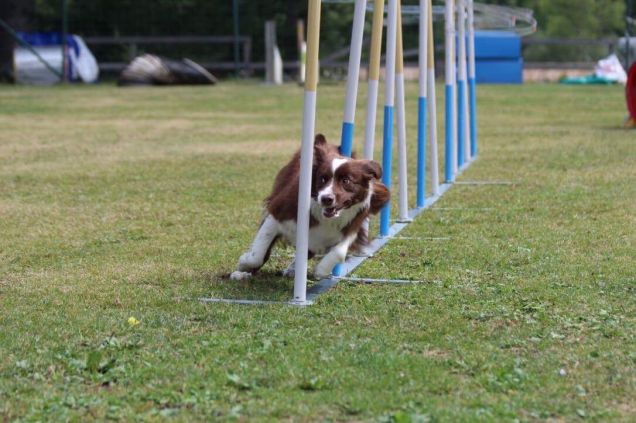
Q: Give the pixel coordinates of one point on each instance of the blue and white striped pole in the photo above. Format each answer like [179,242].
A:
[353,76]
[462,98]
[400,114]
[421,103]
[389,94]
[450,162]
[432,105]
[472,81]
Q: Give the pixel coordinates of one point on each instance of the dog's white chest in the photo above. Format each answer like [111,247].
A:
[324,235]
[321,237]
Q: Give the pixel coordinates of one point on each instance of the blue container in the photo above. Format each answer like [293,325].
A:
[497,45]
[498,57]
[499,71]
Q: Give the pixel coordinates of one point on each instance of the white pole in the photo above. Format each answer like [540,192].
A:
[373,83]
[374,76]
[307,153]
[472,94]
[403,205]
[432,105]
[353,75]
[389,98]
[450,160]
[454,76]
[462,85]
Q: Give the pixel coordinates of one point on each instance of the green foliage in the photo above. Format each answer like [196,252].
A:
[587,19]
[556,18]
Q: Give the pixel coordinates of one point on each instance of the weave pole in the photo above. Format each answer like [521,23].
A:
[307,153]
[455,113]
[374,78]
[389,97]
[353,76]
[472,80]
[403,200]
[449,154]
[462,98]
[421,102]
[432,104]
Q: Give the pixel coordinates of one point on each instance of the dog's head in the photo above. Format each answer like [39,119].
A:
[340,182]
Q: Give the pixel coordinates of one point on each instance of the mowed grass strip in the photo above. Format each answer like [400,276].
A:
[118,203]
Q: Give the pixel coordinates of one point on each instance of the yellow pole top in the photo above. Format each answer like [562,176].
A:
[376,40]
[399,54]
[313,41]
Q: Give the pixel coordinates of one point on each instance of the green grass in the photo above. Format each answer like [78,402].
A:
[134,202]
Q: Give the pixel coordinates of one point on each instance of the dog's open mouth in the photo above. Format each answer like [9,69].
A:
[330,212]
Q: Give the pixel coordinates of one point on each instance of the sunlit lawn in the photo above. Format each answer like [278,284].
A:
[135,202]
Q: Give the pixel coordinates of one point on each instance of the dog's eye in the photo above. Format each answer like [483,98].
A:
[323,179]
[346,180]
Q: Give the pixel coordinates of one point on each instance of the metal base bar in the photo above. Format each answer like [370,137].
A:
[253,302]
[421,238]
[463,208]
[485,183]
[375,280]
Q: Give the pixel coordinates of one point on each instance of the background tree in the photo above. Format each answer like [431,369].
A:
[556,18]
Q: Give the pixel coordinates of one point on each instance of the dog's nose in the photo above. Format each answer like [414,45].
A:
[327,200]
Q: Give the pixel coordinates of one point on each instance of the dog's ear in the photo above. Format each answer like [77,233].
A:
[372,169]
[320,149]
[379,198]
[320,140]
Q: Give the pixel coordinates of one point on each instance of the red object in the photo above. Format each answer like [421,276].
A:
[630,91]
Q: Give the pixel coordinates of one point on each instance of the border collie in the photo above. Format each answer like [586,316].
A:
[344,192]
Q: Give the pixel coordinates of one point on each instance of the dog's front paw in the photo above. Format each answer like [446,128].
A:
[249,261]
[321,271]
[239,276]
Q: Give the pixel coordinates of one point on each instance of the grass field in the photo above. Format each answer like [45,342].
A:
[119,203]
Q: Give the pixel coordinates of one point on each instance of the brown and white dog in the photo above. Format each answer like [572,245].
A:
[345,191]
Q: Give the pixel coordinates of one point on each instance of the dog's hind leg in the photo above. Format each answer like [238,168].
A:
[259,251]
[360,246]
[290,272]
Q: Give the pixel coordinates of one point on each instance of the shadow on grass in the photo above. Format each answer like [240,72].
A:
[266,285]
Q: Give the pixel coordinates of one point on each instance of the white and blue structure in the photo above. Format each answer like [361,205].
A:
[351,93]
[353,76]
[472,80]
[394,99]
[432,105]
[400,112]
[389,98]
[462,95]
[450,161]
[421,101]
